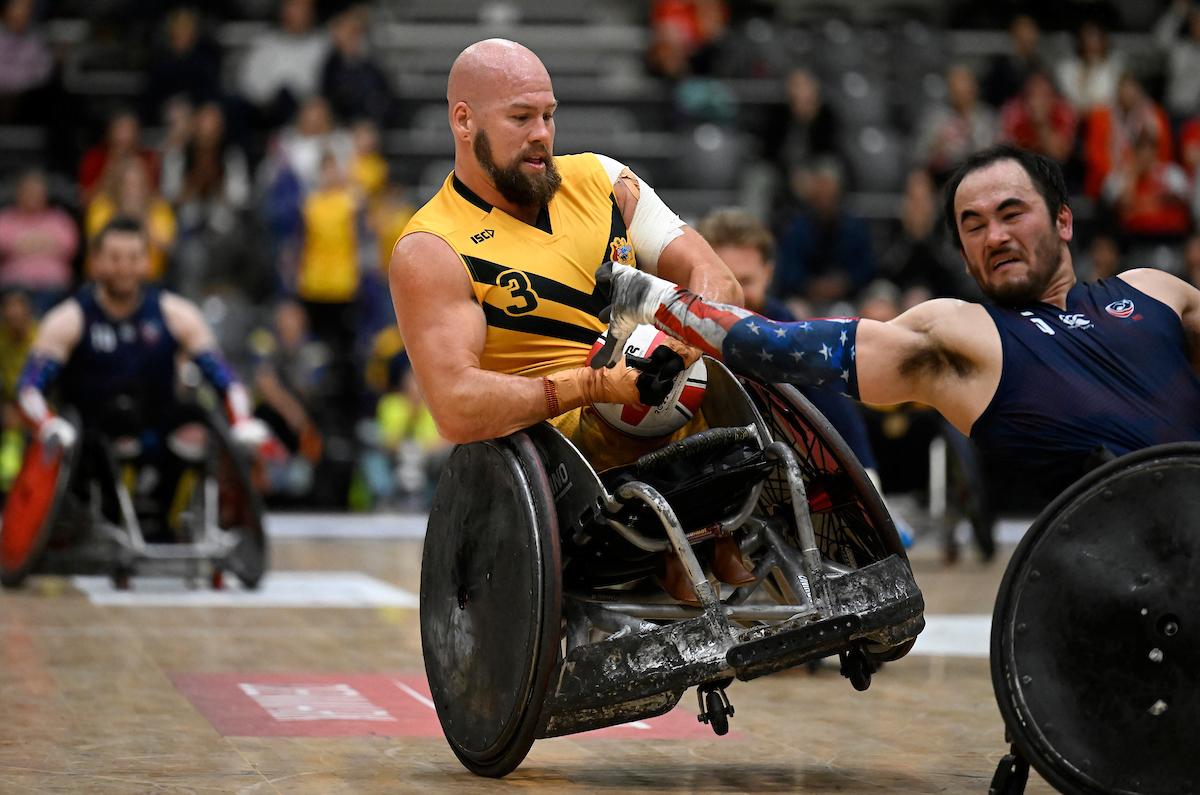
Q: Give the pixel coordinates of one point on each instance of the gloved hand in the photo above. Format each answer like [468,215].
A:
[634,298]
[250,433]
[55,433]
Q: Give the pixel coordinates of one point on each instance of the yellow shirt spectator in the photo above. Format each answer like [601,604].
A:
[160,228]
[329,261]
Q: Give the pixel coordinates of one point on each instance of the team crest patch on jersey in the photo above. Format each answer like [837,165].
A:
[1076,321]
[621,252]
[1121,309]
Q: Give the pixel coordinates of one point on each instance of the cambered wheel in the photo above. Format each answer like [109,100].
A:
[491,599]
[33,507]
[239,505]
[851,522]
[1096,632]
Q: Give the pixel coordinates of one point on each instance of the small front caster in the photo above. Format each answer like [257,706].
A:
[715,708]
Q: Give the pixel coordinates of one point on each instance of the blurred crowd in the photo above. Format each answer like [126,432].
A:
[269,199]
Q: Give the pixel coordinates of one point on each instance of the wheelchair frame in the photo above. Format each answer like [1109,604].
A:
[656,648]
[121,550]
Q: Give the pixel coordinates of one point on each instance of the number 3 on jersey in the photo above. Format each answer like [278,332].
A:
[525,300]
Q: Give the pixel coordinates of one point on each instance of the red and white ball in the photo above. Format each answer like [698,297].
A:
[676,411]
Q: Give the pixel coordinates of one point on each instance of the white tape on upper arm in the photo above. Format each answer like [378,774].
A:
[654,226]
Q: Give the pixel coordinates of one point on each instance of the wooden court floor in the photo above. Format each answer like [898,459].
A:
[103,698]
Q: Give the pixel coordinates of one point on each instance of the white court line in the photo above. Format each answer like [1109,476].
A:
[278,589]
[347,525]
[414,694]
[955,636]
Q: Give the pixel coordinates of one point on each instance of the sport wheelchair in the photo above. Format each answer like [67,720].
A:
[539,613]
[82,511]
[1095,654]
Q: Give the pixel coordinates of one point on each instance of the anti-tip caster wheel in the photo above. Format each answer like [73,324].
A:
[857,667]
[1012,774]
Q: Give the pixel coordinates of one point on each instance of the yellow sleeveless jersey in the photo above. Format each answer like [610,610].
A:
[537,287]
[536,283]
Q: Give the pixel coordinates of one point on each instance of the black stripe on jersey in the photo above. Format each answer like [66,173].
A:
[468,194]
[543,219]
[485,272]
[542,326]
[616,229]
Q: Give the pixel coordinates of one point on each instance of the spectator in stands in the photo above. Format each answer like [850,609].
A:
[122,143]
[746,246]
[38,243]
[881,301]
[948,134]
[824,251]
[18,326]
[387,216]
[1183,56]
[354,84]
[1102,260]
[1112,131]
[1040,119]
[919,260]
[1089,77]
[188,66]
[1189,146]
[289,369]
[403,451]
[26,65]
[1151,197]
[1191,259]
[208,181]
[303,146]
[368,168]
[127,192]
[684,35]
[283,66]
[328,276]
[809,131]
[1007,73]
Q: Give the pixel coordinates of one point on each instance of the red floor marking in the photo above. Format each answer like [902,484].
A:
[361,705]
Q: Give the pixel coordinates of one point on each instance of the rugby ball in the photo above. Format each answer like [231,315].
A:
[674,412]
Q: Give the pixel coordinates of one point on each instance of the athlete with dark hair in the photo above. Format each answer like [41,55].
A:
[1047,377]
[117,340]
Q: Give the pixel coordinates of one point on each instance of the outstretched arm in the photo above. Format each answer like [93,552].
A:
[944,353]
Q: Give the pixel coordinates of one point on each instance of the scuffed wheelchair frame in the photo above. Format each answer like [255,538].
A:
[643,667]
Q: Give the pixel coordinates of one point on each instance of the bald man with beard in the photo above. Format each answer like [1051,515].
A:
[493,280]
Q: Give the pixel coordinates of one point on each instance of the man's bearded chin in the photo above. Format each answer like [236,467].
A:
[1031,289]
[523,190]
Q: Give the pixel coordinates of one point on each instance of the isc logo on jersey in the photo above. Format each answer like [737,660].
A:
[1121,309]
[674,412]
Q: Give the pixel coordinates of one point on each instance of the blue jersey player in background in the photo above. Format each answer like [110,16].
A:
[1049,377]
[112,350]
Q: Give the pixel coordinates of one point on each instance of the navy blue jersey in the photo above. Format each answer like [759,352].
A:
[132,359]
[1110,372]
